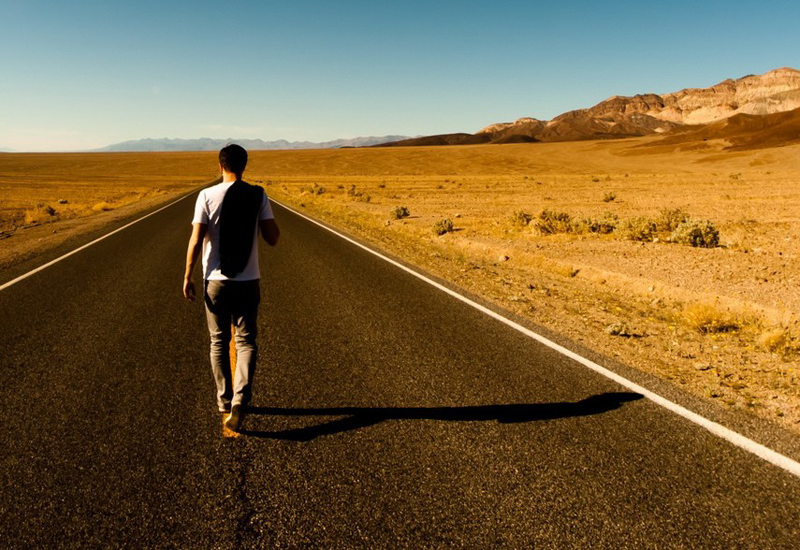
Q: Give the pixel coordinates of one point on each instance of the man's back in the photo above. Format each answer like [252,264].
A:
[208,210]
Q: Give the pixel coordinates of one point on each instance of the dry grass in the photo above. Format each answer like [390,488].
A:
[710,319]
[41,213]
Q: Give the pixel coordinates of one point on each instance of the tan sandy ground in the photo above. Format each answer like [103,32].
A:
[584,286]
[580,285]
[97,187]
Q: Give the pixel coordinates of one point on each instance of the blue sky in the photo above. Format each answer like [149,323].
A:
[79,75]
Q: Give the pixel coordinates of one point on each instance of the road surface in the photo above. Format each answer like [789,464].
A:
[386,414]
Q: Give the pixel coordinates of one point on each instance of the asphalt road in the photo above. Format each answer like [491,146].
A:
[386,414]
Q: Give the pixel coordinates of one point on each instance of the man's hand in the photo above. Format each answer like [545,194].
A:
[188,290]
[192,253]
[270,231]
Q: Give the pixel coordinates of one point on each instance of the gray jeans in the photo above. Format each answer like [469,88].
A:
[233,302]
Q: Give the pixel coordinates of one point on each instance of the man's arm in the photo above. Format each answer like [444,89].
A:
[193,252]
[270,231]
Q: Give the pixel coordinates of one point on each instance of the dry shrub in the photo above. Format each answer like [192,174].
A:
[609,196]
[315,189]
[40,214]
[621,328]
[400,212]
[698,233]
[605,224]
[550,222]
[357,195]
[670,218]
[709,319]
[639,229]
[443,226]
[520,218]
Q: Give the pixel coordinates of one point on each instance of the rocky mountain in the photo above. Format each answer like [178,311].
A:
[773,92]
[209,144]
[623,116]
[739,132]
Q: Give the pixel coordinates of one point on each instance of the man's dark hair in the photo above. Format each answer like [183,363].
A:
[233,158]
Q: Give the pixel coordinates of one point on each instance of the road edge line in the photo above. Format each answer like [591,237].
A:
[773,457]
[87,245]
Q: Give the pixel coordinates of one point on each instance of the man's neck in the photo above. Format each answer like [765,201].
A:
[228,177]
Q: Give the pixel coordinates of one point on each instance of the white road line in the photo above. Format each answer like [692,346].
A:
[87,245]
[736,438]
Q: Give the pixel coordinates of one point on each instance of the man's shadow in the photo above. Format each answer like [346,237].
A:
[362,417]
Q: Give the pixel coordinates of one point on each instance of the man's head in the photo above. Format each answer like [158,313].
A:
[233,159]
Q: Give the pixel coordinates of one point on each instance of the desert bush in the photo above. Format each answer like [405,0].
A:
[520,218]
[700,233]
[549,222]
[357,195]
[605,224]
[315,189]
[670,218]
[400,212]
[709,319]
[639,229]
[443,226]
[41,213]
[609,196]
[622,329]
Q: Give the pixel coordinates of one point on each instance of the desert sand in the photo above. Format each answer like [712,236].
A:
[48,198]
[718,322]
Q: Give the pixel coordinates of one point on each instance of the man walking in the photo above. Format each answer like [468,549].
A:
[227,219]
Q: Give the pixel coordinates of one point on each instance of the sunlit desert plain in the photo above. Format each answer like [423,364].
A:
[579,238]
[47,199]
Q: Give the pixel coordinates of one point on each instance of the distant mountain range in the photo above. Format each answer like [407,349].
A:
[209,144]
[748,98]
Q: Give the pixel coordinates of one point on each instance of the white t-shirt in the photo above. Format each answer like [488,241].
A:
[206,210]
